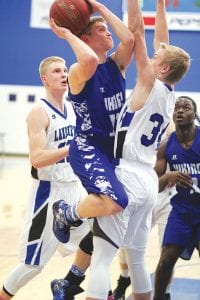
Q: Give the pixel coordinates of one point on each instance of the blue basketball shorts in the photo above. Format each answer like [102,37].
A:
[93,164]
[183,229]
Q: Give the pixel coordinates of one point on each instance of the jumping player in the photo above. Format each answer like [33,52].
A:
[97,91]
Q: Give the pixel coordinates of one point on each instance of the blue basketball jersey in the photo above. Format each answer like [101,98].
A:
[183,225]
[97,106]
[185,160]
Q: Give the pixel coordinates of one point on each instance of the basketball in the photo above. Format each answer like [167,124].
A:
[71,14]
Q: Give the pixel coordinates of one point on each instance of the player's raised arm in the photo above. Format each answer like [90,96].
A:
[87,60]
[145,74]
[124,51]
[161,33]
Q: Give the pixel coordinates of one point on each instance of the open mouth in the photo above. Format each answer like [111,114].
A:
[179,118]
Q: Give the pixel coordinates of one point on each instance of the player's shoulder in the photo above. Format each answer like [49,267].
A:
[38,110]
[163,147]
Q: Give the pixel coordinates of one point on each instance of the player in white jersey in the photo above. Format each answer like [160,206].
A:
[141,123]
[160,215]
[51,127]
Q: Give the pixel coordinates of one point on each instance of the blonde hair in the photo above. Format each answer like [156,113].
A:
[47,61]
[93,20]
[178,61]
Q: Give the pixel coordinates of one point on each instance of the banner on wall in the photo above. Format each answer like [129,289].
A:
[181,14]
[40,13]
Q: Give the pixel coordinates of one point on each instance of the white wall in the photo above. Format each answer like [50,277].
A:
[13,115]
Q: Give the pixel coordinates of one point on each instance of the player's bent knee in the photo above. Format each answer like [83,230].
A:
[86,244]
[111,207]
[20,276]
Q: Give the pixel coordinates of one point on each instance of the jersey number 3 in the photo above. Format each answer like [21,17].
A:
[149,140]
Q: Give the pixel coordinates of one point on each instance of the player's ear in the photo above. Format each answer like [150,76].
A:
[84,38]
[44,79]
[165,68]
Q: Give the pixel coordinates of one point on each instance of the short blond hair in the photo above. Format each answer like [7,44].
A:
[47,61]
[178,60]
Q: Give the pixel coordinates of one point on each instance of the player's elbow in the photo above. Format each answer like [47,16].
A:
[91,61]
[35,161]
[112,209]
[136,26]
[130,39]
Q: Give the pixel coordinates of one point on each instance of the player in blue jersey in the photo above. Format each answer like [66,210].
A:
[51,127]
[182,152]
[97,91]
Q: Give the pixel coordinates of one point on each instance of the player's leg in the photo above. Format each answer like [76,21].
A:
[37,244]
[18,278]
[80,240]
[141,283]
[106,193]
[69,286]
[124,279]
[102,257]
[140,277]
[141,186]
[176,237]
[161,212]
[167,261]
[109,232]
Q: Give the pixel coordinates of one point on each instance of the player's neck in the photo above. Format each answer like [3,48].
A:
[186,136]
[102,56]
[56,100]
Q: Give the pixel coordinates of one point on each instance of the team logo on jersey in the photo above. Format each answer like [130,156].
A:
[102,90]
[53,116]
[174,157]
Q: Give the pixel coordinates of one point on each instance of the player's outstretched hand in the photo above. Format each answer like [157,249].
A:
[95,5]
[61,32]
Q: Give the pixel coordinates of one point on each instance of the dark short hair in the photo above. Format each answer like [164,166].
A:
[191,100]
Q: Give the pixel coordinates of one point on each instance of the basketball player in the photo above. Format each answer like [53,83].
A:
[182,152]
[51,127]
[160,215]
[97,92]
[141,124]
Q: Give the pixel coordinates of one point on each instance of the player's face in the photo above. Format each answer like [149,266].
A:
[101,36]
[183,112]
[56,76]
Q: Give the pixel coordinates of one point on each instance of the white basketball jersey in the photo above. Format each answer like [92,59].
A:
[60,132]
[139,133]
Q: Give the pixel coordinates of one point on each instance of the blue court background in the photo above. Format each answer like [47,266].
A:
[183,289]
